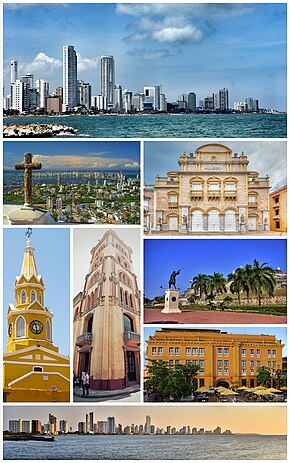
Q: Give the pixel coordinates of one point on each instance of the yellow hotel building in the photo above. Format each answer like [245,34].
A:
[225,359]
[33,369]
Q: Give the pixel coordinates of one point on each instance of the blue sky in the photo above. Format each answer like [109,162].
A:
[207,256]
[280,333]
[267,158]
[53,263]
[71,155]
[183,47]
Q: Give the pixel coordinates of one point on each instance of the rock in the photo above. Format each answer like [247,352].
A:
[36,130]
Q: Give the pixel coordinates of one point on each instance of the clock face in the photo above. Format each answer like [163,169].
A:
[36,327]
[10,330]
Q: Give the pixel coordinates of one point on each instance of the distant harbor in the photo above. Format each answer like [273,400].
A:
[168,125]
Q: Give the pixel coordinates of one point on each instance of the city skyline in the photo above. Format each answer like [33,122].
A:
[71,155]
[165,36]
[250,419]
[195,256]
[49,245]
[267,158]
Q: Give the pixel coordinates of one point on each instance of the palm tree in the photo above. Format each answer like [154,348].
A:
[263,279]
[199,284]
[217,284]
[241,281]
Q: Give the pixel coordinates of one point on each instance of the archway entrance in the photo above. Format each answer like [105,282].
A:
[131,366]
[197,221]
[222,383]
[230,220]
[213,221]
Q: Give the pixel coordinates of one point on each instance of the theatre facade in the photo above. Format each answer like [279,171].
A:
[224,359]
[212,191]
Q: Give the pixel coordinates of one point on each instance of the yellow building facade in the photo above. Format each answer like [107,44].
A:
[278,210]
[225,359]
[33,369]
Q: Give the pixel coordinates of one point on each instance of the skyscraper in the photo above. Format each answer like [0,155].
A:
[13,71]
[111,425]
[42,87]
[70,84]
[108,78]
[148,424]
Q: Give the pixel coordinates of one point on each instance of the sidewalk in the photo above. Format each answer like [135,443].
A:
[208,316]
[99,396]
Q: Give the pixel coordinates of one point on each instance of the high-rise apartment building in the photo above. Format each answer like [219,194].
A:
[84,94]
[42,87]
[191,102]
[118,100]
[13,71]
[70,87]
[107,63]
[111,425]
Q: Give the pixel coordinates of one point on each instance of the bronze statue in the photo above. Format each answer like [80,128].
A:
[172,279]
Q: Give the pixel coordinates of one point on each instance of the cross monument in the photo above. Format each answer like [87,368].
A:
[28,166]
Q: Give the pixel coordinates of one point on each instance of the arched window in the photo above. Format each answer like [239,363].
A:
[128,323]
[40,298]
[23,297]
[48,330]
[32,296]
[126,298]
[20,327]
[121,294]
[131,301]
[90,325]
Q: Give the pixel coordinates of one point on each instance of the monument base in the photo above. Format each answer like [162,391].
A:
[171,301]
[30,216]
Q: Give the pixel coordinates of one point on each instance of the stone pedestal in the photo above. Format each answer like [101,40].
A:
[30,216]
[171,301]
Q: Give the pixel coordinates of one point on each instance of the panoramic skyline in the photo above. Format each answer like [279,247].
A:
[52,259]
[72,155]
[195,256]
[250,419]
[150,42]
[265,157]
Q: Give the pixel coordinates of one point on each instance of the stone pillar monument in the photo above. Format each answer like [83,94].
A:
[171,301]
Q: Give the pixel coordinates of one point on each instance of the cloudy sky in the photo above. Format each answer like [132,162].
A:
[183,47]
[67,155]
[265,157]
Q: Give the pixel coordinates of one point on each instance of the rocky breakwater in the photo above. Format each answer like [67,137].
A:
[37,130]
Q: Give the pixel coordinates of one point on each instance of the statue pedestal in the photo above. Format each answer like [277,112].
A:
[182,228]
[171,301]
[30,216]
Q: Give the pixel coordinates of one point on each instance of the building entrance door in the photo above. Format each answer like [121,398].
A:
[197,221]
[252,223]
[230,221]
[84,363]
[222,383]
[131,366]
[172,223]
[214,221]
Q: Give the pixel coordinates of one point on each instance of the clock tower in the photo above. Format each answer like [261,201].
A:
[33,367]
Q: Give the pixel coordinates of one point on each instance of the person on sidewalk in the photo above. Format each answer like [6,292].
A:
[86,382]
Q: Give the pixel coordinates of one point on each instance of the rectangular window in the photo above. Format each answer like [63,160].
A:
[251,363]
[226,351]
[195,362]
[160,350]
[201,382]
[187,362]
[171,362]
[244,372]
[258,364]
[194,351]
[258,352]
[269,364]
[201,363]
[176,362]
[226,363]
[274,364]
[251,352]
[230,186]
[274,353]
[220,363]
[196,186]
[269,353]
[154,350]
[173,198]
[226,372]
[244,382]
[220,371]
[188,351]
[244,352]
[252,198]
[201,352]
[176,350]
[220,352]
[244,363]
[201,371]
[252,372]
[171,350]
[213,186]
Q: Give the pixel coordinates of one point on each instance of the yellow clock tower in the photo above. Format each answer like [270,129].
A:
[33,370]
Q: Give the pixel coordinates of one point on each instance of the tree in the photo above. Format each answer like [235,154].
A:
[217,284]
[263,376]
[241,281]
[174,381]
[200,284]
[263,279]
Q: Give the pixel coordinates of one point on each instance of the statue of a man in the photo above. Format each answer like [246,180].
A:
[172,279]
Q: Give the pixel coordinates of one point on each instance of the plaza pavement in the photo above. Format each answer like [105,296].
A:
[129,394]
[251,234]
[212,317]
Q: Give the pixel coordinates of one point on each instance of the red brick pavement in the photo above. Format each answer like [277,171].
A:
[208,317]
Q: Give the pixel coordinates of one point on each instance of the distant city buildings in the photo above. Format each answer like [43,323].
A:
[108,426]
[76,95]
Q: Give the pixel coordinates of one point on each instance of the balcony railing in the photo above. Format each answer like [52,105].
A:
[173,205]
[196,194]
[131,336]
[85,337]
[253,204]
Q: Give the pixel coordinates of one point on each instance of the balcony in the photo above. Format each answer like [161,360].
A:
[131,339]
[172,205]
[276,206]
[196,195]
[85,337]
[214,195]
[230,194]
[253,204]
[276,217]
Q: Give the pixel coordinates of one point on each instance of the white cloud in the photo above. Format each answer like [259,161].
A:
[149,54]
[42,63]
[179,34]
[86,64]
